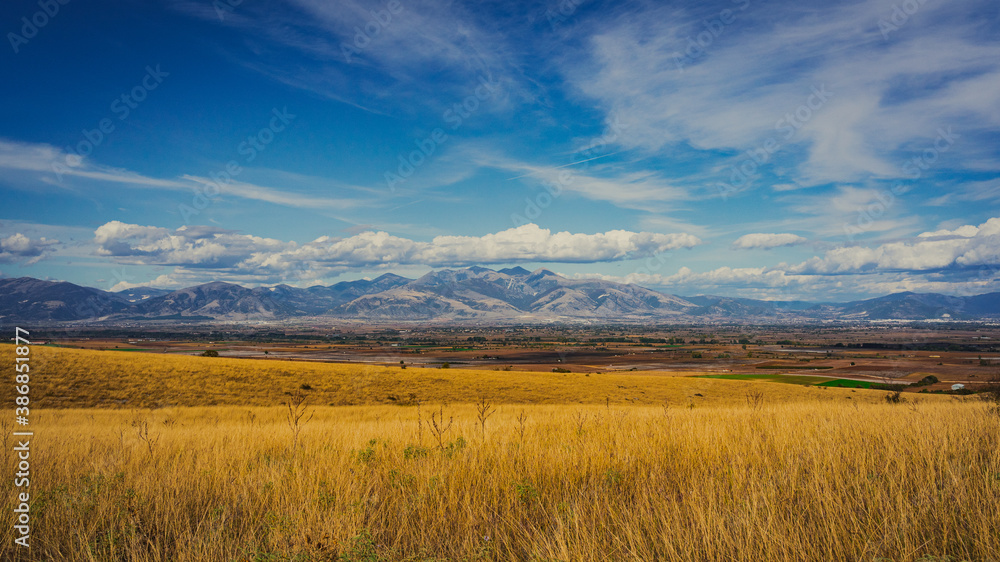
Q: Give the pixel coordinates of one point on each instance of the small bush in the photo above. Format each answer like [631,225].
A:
[526,492]
[361,549]
[454,447]
[415,452]
[612,477]
[364,456]
[991,391]
[210,353]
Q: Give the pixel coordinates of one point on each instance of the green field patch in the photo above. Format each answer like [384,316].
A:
[131,349]
[804,380]
[795,367]
[846,383]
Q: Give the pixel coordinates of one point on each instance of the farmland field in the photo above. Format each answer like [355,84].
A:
[160,457]
[805,380]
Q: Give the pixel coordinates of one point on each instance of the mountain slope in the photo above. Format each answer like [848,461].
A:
[218,300]
[908,306]
[515,293]
[471,294]
[31,299]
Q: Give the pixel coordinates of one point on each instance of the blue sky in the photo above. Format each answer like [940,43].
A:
[779,150]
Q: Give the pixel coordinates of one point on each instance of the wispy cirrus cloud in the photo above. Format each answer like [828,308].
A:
[374,58]
[888,96]
[47,164]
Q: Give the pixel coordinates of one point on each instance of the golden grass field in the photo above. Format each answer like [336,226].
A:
[568,468]
[114,379]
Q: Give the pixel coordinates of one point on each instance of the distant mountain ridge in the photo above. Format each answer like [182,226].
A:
[474,294]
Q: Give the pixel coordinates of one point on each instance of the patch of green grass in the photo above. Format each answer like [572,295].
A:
[846,383]
[130,349]
[804,380]
[794,367]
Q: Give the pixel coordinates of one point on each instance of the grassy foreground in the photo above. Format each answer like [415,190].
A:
[607,467]
[832,481]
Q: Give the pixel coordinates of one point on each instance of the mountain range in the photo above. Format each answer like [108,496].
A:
[471,295]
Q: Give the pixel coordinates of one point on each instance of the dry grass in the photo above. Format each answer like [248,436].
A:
[783,482]
[67,378]
[803,475]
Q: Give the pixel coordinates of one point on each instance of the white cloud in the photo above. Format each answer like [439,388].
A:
[191,246]
[338,59]
[764,241]
[640,190]
[160,282]
[966,246]
[51,165]
[888,97]
[206,247]
[964,260]
[852,211]
[18,248]
[743,277]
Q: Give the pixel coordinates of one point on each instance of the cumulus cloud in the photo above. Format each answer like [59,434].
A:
[18,248]
[764,241]
[741,277]
[963,260]
[966,246]
[191,246]
[160,282]
[207,247]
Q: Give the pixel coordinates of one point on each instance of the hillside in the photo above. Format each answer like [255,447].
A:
[71,378]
